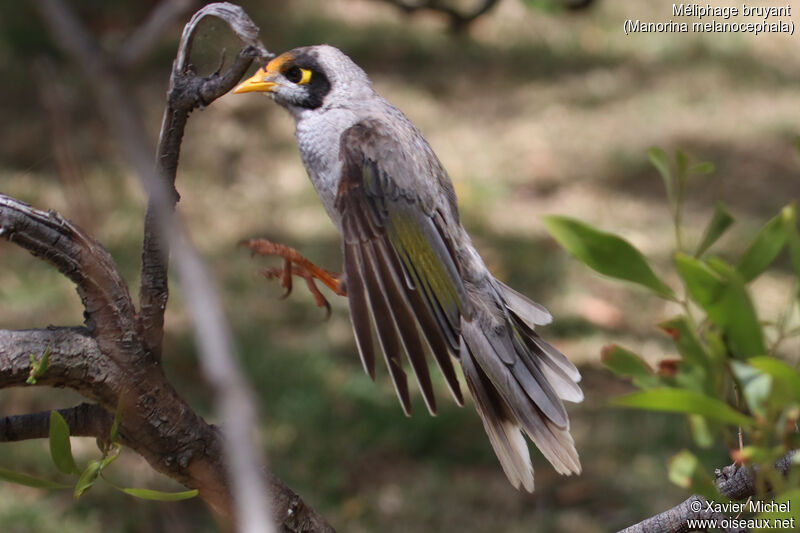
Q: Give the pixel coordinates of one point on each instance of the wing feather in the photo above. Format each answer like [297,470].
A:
[387,334]
[406,274]
[359,310]
[404,322]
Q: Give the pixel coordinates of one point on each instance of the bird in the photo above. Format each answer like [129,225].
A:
[411,274]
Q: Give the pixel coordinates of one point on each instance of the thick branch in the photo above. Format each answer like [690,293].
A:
[106,300]
[733,482]
[84,420]
[75,361]
[676,519]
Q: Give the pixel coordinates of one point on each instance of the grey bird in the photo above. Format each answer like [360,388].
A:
[410,270]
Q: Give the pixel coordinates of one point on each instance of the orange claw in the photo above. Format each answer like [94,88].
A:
[294,264]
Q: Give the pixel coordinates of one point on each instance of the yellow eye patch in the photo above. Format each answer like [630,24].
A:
[306,76]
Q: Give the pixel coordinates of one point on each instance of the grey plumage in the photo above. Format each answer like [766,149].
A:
[411,272]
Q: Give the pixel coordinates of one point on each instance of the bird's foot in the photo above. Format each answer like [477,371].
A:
[295,264]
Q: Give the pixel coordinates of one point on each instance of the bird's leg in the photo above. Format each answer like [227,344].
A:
[295,264]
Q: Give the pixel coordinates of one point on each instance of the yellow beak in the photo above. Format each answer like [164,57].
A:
[256,83]
[263,80]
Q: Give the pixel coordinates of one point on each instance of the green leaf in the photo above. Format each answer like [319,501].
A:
[60,448]
[683,401]
[29,481]
[625,363]
[660,160]
[686,340]
[703,284]
[605,252]
[681,469]
[682,162]
[706,167]
[716,347]
[721,220]
[700,372]
[110,456]
[767,244]
[780,371]
[720,291]
[686,471]
[161,496]
[701,433]
[38,368]
[88,477]
[756,387]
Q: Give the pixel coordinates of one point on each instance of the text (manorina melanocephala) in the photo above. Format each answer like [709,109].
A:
[410,269]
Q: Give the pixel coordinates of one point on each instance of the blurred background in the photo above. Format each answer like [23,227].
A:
[533,110]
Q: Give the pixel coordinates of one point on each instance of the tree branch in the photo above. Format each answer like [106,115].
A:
[84,420]
[75,361]
[733,482]
[162,427]
[109,310]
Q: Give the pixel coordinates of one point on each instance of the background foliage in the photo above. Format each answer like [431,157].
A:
[730,362]
[532,113]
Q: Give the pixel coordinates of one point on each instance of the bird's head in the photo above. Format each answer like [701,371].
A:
[309,78]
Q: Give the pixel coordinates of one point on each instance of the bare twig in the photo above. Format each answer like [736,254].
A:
[733,482]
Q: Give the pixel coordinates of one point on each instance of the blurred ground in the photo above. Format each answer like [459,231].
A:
[534,113]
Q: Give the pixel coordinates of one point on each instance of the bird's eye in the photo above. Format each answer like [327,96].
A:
[300,76]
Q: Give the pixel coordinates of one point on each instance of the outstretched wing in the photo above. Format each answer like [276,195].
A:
[400,264]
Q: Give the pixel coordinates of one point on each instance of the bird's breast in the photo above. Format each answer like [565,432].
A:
[318,140]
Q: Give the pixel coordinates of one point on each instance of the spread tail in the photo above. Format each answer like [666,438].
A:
[518,382]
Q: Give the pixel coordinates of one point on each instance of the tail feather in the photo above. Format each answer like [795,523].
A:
[499,423]
[532,313]
[562,377]
[556,358]
[518,382]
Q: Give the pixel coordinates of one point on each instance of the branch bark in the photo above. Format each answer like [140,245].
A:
[156,422]
[108,307]
[84,420]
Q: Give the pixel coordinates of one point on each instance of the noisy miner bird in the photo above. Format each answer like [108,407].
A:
[410,269]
